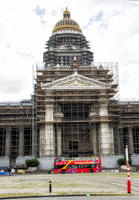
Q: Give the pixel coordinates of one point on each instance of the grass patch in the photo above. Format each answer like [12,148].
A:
[18,186]
[57,184]
[120,174]
[19,194]
[66,185]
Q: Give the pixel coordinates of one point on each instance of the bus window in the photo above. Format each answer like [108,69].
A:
[76,166]
[57,159]
[81,166]
[93,165]
[88,166]
[59,166]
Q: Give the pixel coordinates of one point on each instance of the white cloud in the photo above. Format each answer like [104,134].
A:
[110,26]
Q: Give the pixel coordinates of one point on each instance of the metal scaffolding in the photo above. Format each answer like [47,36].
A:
[76,113]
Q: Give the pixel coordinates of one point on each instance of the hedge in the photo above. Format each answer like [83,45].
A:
[122,161]
[32,162]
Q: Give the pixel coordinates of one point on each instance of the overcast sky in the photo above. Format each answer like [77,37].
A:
[111,27]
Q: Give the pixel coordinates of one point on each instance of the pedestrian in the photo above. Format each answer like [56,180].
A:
[12,171]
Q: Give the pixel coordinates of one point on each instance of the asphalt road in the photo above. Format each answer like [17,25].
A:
[85,198]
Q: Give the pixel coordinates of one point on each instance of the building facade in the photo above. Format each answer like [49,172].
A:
[74,111]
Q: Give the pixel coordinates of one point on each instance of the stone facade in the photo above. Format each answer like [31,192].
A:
[74,111]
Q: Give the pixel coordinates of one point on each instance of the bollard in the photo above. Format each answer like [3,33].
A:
[128,180]
[50,186]
[129,186]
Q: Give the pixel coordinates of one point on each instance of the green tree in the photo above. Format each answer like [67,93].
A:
[32,162]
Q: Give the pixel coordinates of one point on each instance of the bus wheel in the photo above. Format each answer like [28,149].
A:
[63,171]
[91,171]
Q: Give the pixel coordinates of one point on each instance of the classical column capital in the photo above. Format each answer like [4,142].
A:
[49,106]
[8,129]
[58,116]
[21,128]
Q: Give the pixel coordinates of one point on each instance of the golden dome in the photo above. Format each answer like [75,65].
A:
[66,23]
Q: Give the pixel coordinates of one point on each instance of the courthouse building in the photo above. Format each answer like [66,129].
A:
[74,111]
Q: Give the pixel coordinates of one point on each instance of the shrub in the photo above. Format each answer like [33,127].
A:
[32,162]
[122,161]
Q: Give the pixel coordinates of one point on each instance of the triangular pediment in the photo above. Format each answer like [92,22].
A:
[75,81]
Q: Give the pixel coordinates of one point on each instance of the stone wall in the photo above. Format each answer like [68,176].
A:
[4,162]
[20,160]
[135,159]
[110,161]
[46,163]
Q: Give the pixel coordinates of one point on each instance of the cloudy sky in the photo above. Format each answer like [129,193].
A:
[111,27]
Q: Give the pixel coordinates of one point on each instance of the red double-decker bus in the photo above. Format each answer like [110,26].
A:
[77,166]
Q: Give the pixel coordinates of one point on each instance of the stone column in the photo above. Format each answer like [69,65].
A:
[42,141]
[59,145]
[106,132]
[131,144]
[98,140]
[8,141]
[58,116]
[111,139]
[49,131]
[104,139]
[92,116]
[118,141]
[94,142]
[21,141]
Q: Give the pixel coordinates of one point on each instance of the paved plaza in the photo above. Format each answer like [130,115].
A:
[63,184]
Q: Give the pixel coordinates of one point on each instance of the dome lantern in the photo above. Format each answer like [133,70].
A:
[66,13]
[66,24]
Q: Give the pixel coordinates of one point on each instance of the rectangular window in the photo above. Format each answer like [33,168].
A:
[73,145]
[2,141]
